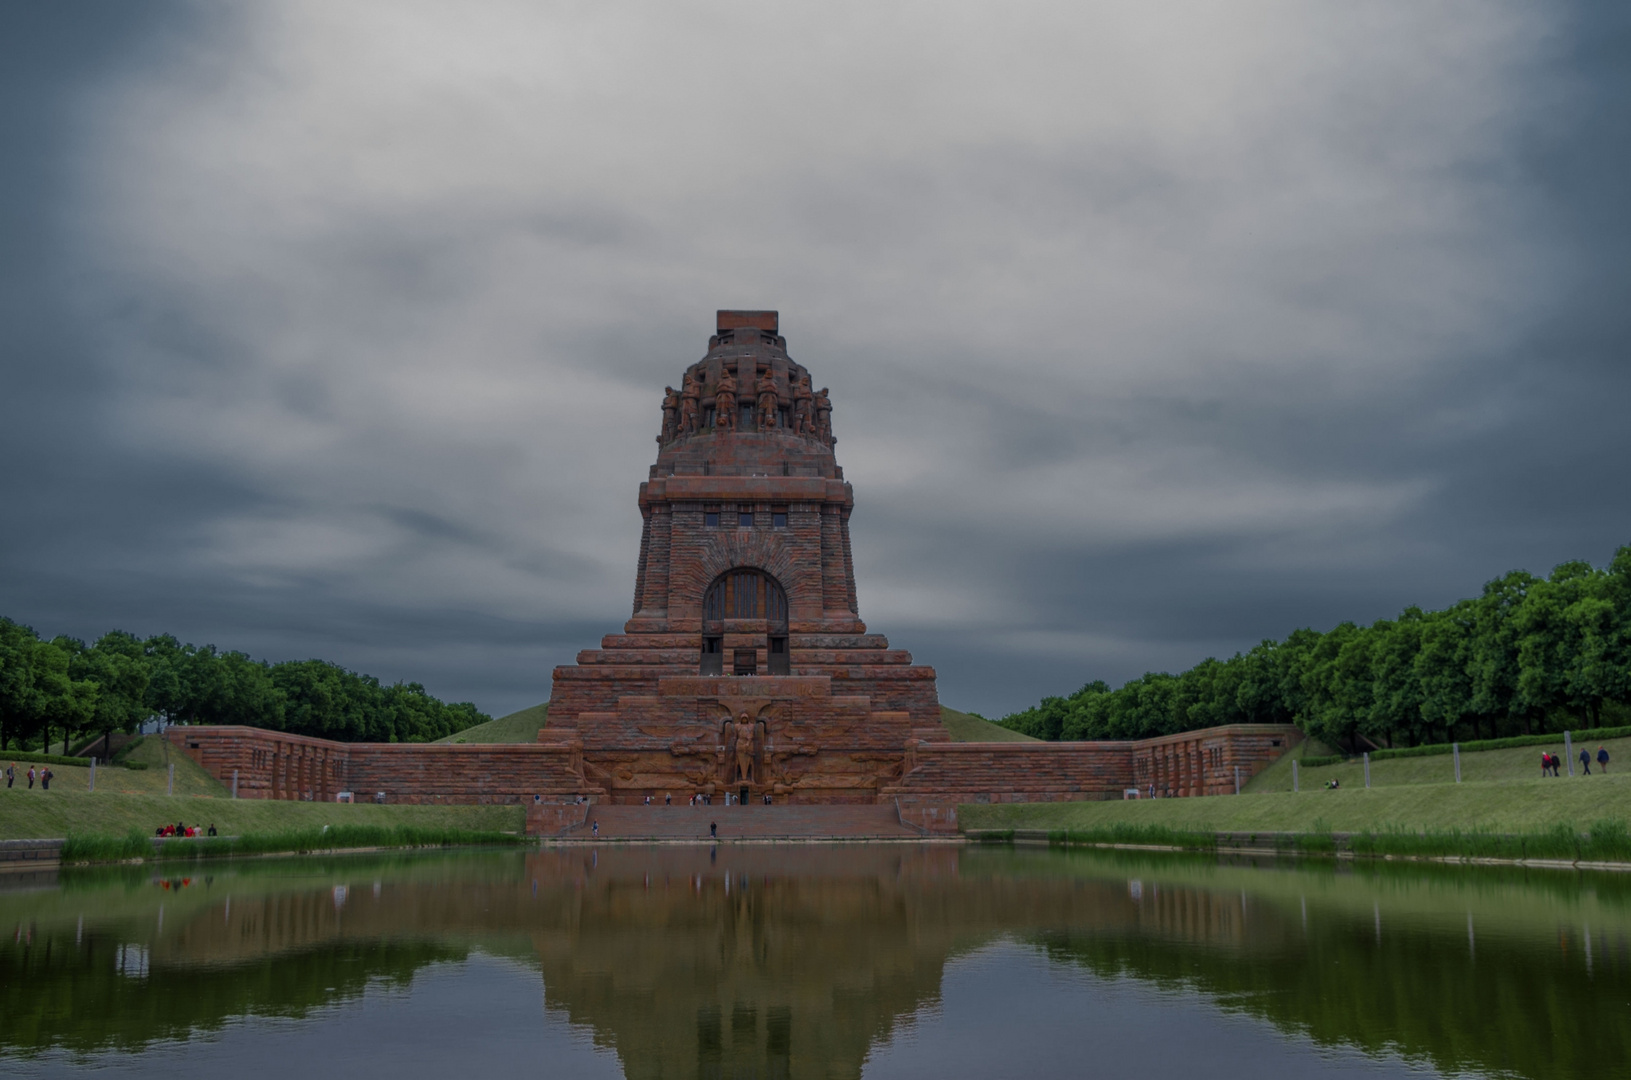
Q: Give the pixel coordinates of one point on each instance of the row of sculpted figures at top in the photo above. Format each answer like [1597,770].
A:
[811,413]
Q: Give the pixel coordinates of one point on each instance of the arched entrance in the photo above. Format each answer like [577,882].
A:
[754,605]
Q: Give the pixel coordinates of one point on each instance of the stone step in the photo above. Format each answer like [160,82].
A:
[745,822]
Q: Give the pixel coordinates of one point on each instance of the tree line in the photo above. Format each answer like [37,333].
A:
[1528,655]
[62,689]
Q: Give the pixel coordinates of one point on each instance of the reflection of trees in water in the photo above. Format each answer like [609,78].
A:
[797,961]
[54,994]
[1498,1004]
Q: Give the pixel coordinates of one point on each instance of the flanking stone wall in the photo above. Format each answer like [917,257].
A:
[275,765]
[940,776]
[935,779]
[1204,762]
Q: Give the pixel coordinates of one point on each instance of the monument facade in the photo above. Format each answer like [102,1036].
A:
[744,667]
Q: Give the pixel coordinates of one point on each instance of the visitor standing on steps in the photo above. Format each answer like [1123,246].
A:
[713,829]
[595,828]
[1602,758]
[1585,760]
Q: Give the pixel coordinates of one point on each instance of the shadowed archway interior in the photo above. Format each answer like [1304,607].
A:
[744,594]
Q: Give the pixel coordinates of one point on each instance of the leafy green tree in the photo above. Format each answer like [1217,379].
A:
[117,665]
[1493,664]
[18,692]
[1396,693]
[1443,670]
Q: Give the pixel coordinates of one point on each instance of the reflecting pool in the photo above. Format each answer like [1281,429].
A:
[815,961]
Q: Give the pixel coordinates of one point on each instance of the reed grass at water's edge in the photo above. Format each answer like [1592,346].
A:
[1604,841]
[91,847]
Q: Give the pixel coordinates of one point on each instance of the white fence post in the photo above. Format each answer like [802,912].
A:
[171,789]
[1367,770]
[1237,779]
[1455,748]
[93,775]
[1294,783]
[1568,752]
[234,783]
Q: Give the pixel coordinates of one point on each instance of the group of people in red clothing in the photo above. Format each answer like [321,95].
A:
[182,829]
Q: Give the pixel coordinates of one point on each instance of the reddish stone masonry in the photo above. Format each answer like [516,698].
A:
[744,667]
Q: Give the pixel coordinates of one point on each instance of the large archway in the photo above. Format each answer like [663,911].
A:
[752,597]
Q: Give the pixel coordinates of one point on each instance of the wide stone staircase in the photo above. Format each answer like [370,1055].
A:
[745,822]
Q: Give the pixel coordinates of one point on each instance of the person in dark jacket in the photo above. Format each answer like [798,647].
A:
[1585,760]
[1602,758]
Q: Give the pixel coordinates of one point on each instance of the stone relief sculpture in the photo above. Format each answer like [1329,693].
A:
[671,415]
[743,732]
[769,400]
[690,395]
[801,406]
[823,416]
[725,402]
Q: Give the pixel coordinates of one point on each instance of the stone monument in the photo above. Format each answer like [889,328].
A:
[745,667]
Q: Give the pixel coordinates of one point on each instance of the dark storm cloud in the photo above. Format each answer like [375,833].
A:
[339,330]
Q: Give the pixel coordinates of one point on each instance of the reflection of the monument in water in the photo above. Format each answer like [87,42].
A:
[797,960]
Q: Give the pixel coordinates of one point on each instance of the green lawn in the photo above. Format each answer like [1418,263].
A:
[1518,763]
[58,812]
[963,727]
[517,727]
[154,752]
[1497,806]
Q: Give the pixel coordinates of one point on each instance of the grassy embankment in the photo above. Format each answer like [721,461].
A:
[963,727]
[127,800]
[517,727]
[1502,809]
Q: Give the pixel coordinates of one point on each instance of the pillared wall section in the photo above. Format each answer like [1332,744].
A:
[273,765]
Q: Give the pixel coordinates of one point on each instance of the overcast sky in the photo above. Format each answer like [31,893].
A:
[1153,330]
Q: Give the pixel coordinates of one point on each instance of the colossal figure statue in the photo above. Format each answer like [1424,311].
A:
[671,415]
[690,396]
[801,406]
[769,400]
[823,417]
[725,402]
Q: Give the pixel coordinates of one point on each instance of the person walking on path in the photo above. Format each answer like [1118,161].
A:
[1545,763]
[45,778]
[595,828]
[31,778]
[1602,758]
[11,774]
[1585,760]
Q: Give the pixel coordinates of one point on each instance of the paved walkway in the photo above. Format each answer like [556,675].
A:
[747,822]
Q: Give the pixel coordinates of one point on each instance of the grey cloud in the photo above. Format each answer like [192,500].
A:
[340,331]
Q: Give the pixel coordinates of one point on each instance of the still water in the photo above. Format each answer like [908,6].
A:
[814,961]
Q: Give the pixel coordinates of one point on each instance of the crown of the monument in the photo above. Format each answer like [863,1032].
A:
[747,385]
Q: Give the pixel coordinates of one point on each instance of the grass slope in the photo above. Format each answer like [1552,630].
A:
[191,779]
[35,814]
[1517,763]
[1509,806]
[517,727]
[1277,777]
[963,727]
